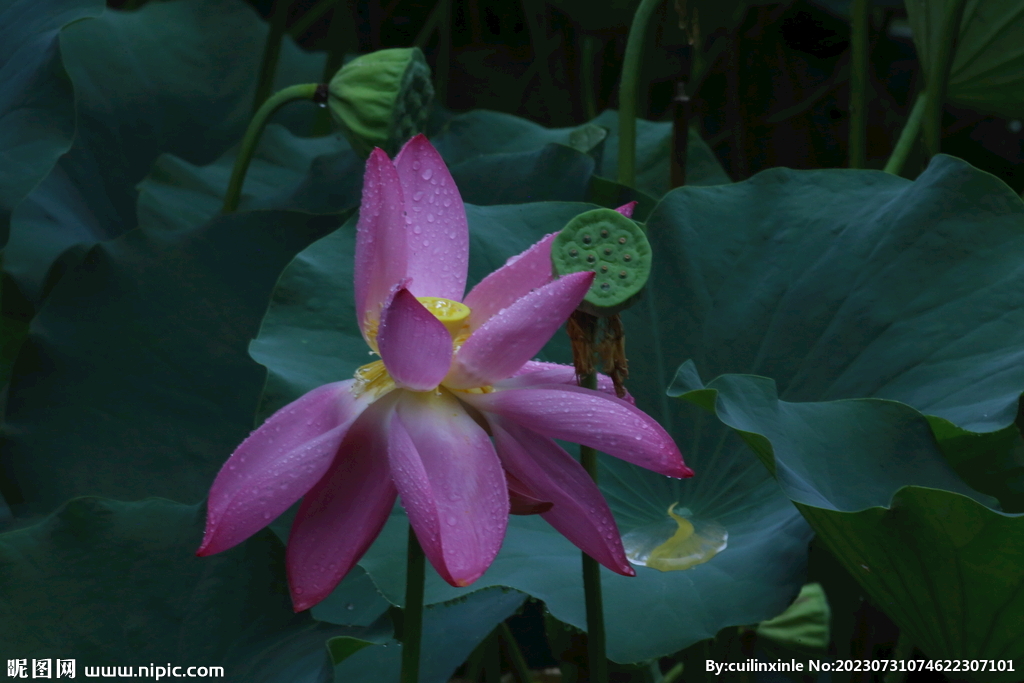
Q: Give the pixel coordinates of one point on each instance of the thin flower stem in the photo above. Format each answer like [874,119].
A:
[271,52]
[592,575]
[859,65]
[629,91]
[589,48]
[305,91]
[680,136]
[444,52]
[412,613]
[303,23]
[492,658]
[520,670]
[904,649]
[429,26]
[938,74]
[673,674]
[907,137]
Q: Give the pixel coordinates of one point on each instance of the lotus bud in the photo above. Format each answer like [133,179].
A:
[381,99]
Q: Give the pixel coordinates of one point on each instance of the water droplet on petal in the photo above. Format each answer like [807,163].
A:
[427,172]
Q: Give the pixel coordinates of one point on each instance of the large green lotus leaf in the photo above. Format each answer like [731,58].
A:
[111,583]
[930,552]
[135,379]
[838,284]
[451,631]
[317,175]
[552,173]
[323,175]
[173,77]
[309,338]
[988,68]
[37,104]
[482,132]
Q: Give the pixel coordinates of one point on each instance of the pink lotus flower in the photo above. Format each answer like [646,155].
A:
[454,416]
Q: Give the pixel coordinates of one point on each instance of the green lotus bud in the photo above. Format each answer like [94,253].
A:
[381,99]
[615,248]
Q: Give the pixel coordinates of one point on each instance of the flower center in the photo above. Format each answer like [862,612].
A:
[453,314]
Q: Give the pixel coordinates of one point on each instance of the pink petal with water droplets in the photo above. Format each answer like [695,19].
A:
[535,373]
[579,512]
[342,515]
[278,464]
[590,418]
[381,242]
[513,336]
[451,483]
[519,276]
[438,233]
[627,209]
[415,346]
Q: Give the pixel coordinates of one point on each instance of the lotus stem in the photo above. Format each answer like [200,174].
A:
[859,84]
[589,48]
[680,136]
[902,650]
[492,658]
[271,52]
[444,52]
[907,136]
[429,26]
[303,23]
[938,76]
[412,613]
[673,674]
[520,670]
[592,574]
[307,91]
[629,91]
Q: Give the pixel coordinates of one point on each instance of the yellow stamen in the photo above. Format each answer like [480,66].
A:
[373,377]
[454,315]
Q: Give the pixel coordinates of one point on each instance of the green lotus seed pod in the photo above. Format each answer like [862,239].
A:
[381,99]
[614,247]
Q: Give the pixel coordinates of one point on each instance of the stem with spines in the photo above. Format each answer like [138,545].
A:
[629,91]
[306,91]
[938,74]
[592,576]
[412,614]
[859,65]
[907,137]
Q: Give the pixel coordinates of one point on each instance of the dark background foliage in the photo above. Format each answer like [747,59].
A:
[775,92]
